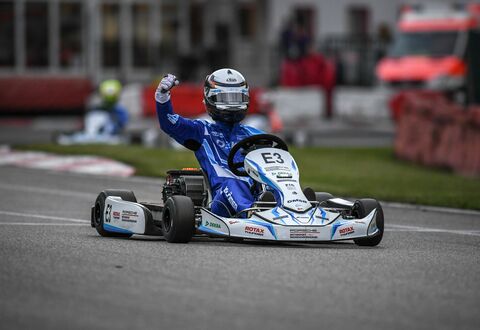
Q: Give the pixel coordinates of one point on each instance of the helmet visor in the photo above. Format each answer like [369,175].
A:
[230,98]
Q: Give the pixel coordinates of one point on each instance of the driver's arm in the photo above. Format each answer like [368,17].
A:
[188,133]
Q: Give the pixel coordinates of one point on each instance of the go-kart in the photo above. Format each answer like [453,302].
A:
[98,129]
[296,216]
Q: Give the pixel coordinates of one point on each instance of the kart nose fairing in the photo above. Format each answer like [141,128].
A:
[282,225]
[277,169]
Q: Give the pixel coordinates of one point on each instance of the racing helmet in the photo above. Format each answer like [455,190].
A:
[226,96]
[110,91]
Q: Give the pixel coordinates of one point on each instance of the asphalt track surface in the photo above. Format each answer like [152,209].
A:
[57,273]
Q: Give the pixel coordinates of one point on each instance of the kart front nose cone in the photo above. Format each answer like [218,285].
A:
[372,227]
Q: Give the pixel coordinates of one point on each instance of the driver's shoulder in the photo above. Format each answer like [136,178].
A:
[250,130]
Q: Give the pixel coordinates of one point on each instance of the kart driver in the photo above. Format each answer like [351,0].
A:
[226,99]
[110,91]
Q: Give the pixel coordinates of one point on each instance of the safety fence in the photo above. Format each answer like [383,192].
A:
[435,132]
[43,95]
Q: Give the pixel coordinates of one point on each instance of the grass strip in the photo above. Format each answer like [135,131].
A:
[357,172]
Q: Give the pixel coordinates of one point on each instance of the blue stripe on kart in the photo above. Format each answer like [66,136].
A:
[113,229]
[211,231]
[335,226]
[267,180]
[293,217]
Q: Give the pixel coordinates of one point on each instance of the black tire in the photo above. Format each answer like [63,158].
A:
[322,197]
[178,219]
[361,209]
[98,214]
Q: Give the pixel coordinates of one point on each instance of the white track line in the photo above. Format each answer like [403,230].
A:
[39,216]
[431,230]
[58,192]
[428,208]
[39,224]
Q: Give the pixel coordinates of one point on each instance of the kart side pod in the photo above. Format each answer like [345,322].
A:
[123,217]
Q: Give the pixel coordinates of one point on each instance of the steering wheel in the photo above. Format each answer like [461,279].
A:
[251,143]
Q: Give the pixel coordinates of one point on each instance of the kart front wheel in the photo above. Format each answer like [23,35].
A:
[323,197]
[361,209]
[98,210]
[178,219]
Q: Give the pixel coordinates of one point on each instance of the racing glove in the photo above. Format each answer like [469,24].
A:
[162,95]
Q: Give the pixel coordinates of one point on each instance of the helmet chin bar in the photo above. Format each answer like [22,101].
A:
[229,114]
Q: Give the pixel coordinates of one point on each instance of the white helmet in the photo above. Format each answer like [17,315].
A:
[226,95]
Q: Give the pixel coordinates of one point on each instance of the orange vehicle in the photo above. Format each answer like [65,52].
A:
[437,47]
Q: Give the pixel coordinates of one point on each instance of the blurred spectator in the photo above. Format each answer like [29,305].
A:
[384,38]
[303,67]
[294,40]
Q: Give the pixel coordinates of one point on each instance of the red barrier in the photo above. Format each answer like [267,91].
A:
[38,94]
[397,102]
[435,132]
[312,70]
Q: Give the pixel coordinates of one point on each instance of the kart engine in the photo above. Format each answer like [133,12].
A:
[187,183]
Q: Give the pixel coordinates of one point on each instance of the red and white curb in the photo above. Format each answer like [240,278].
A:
[76,164]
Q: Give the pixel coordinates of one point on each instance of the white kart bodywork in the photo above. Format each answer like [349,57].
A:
[295,219]
[124,216]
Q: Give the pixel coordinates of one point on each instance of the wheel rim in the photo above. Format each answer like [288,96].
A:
[98,214]
[167,221]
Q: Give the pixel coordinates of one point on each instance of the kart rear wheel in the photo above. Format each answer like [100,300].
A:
[178,219]
[361,209]
[98,213]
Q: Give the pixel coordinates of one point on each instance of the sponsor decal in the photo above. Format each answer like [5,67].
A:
[304,233]
[220,143]
[276,168]
[284,175]
[254,231]
[230,199]
[116,215]
[232,222]
[290,186]
[212,224]
[129,216]
[231,80]
[346,231]
[297,200]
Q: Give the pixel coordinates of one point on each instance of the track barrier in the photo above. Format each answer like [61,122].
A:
[41,95]
[433,131]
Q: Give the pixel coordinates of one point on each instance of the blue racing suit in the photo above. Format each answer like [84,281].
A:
[211,143]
